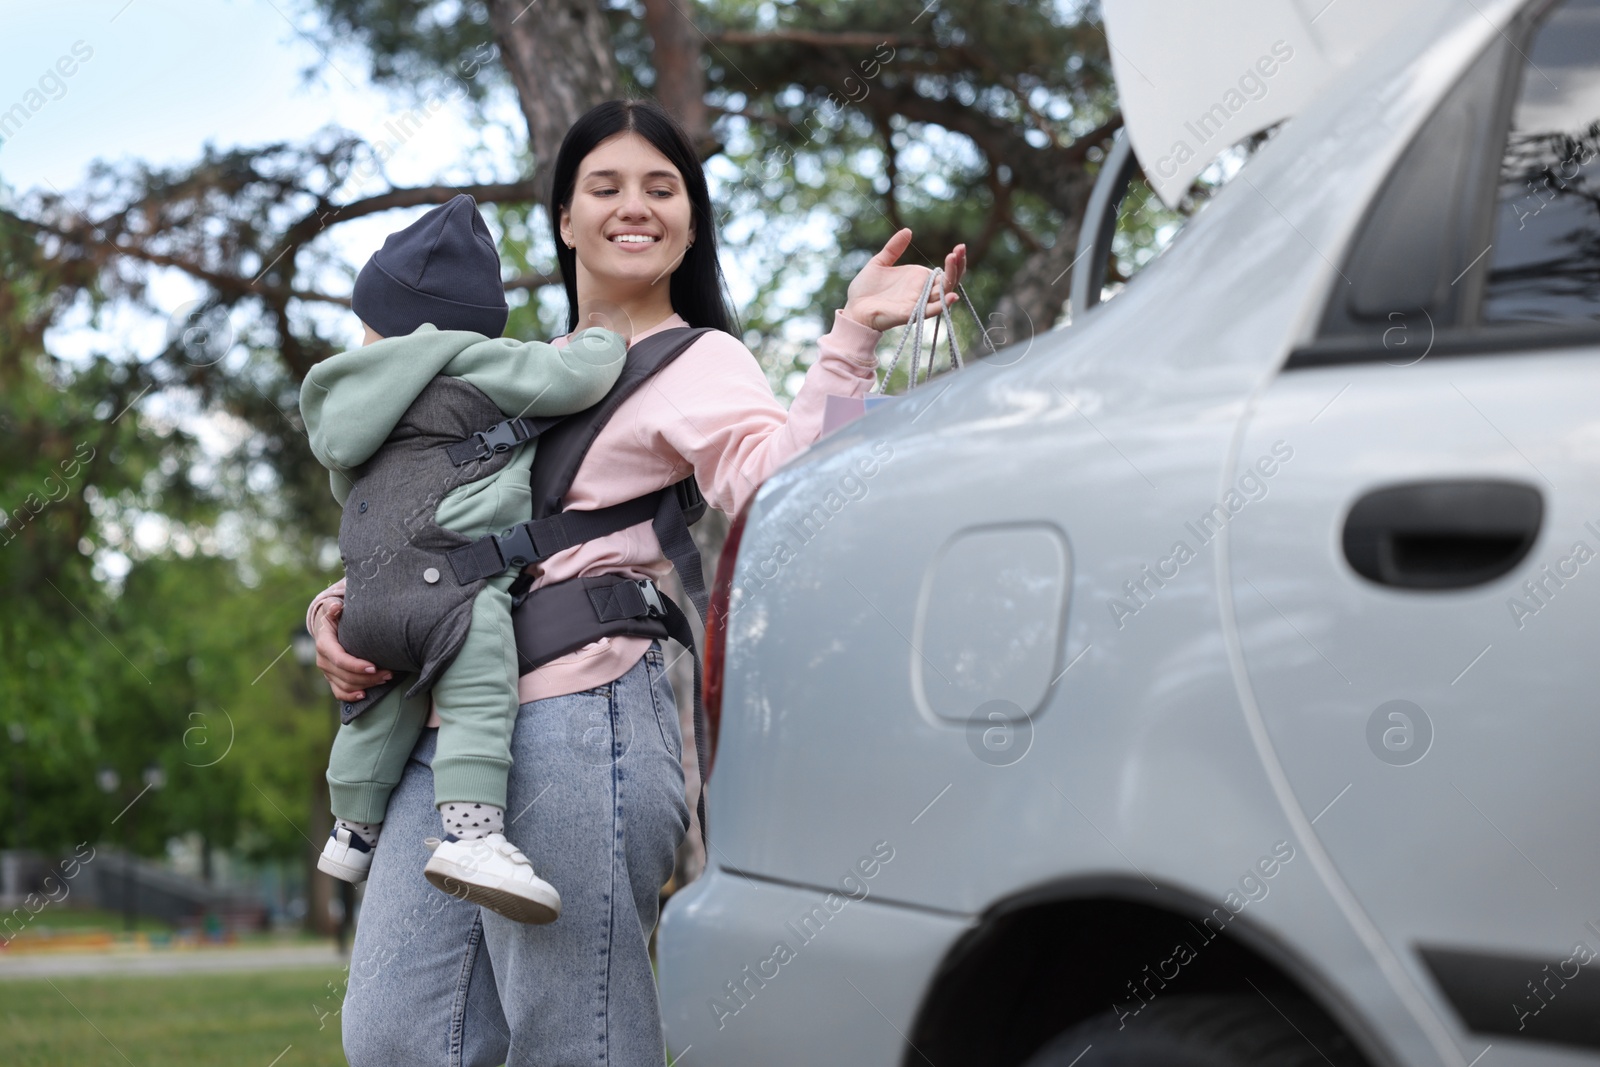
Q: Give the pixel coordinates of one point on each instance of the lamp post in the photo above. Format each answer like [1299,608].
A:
[305,652]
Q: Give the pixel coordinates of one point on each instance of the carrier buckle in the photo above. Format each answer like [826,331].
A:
[516,546]
[654,609]
[497,438]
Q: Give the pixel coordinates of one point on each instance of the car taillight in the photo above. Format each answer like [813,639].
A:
[717,632]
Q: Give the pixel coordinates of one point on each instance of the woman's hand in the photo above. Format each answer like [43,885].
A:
[884,295]
[346,674]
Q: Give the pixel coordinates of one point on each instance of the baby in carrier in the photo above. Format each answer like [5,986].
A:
[388,420]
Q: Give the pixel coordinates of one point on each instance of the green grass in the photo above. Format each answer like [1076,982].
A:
[175,1021]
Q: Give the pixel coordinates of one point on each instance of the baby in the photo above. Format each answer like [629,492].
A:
[382,418]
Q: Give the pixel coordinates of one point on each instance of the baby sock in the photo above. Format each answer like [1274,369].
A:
[467,820]
[367,831]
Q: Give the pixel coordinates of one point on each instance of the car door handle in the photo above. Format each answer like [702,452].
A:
[1442,534]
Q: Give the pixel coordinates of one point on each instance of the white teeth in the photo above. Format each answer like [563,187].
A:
[633,238]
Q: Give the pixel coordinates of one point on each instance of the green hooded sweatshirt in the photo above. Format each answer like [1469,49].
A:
[352,402]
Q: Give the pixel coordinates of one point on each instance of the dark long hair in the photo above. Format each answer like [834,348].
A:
[696,288]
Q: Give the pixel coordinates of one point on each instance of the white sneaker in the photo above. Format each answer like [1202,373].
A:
[345,855]
[492,873]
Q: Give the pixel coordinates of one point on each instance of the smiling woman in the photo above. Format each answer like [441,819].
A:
[599,796]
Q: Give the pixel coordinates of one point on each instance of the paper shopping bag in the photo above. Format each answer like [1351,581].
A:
[841,410]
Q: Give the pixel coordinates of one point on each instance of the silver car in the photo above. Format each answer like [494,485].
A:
[1215,681]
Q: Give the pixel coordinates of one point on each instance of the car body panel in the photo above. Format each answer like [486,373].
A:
[1148,757]
[1497,678]
[825,969]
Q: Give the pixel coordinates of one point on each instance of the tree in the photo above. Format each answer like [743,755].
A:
[826,125]
[840,119]
[149,605]
[1003,109]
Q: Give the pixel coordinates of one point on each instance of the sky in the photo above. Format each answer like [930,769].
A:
[163,77]
[156,80]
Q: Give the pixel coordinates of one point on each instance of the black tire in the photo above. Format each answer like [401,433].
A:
[1204,1031]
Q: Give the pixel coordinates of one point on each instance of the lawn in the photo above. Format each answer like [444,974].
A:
[281,1018]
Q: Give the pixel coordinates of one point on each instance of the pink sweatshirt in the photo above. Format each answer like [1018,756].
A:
[709,412]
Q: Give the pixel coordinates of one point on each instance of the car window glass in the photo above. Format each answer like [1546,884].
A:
[1544,263]
[1426,223]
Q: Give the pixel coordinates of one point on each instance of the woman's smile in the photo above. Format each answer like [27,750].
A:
[634,240]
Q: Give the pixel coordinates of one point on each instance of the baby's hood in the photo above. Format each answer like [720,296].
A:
[352,402]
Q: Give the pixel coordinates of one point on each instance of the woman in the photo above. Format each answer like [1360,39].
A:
[596,796]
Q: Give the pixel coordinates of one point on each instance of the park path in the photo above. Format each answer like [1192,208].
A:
[194,961]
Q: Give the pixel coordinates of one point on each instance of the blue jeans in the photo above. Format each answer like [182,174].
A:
[596,801]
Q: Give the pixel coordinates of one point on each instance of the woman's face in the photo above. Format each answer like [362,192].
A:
[630,219]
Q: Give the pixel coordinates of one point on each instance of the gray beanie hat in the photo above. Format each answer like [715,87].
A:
[442,269]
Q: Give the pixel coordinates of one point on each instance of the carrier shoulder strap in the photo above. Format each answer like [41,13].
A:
[643,360]
[563,444]
[563,447]
[572,613]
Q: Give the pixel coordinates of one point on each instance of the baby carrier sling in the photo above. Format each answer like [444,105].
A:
[397,611]
[563,617]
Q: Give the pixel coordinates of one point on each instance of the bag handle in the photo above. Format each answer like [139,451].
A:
[913,332]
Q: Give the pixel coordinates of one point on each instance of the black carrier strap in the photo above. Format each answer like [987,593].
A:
[562,447]
[564,617]
[539,539]
[615,604]
[563,443]
[498,438]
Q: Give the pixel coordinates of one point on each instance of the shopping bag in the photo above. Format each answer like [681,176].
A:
[840,411]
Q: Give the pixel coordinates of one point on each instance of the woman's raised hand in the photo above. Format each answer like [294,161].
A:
[347,675]
[884,295]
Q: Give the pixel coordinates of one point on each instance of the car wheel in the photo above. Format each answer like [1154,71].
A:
[1203,1031]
